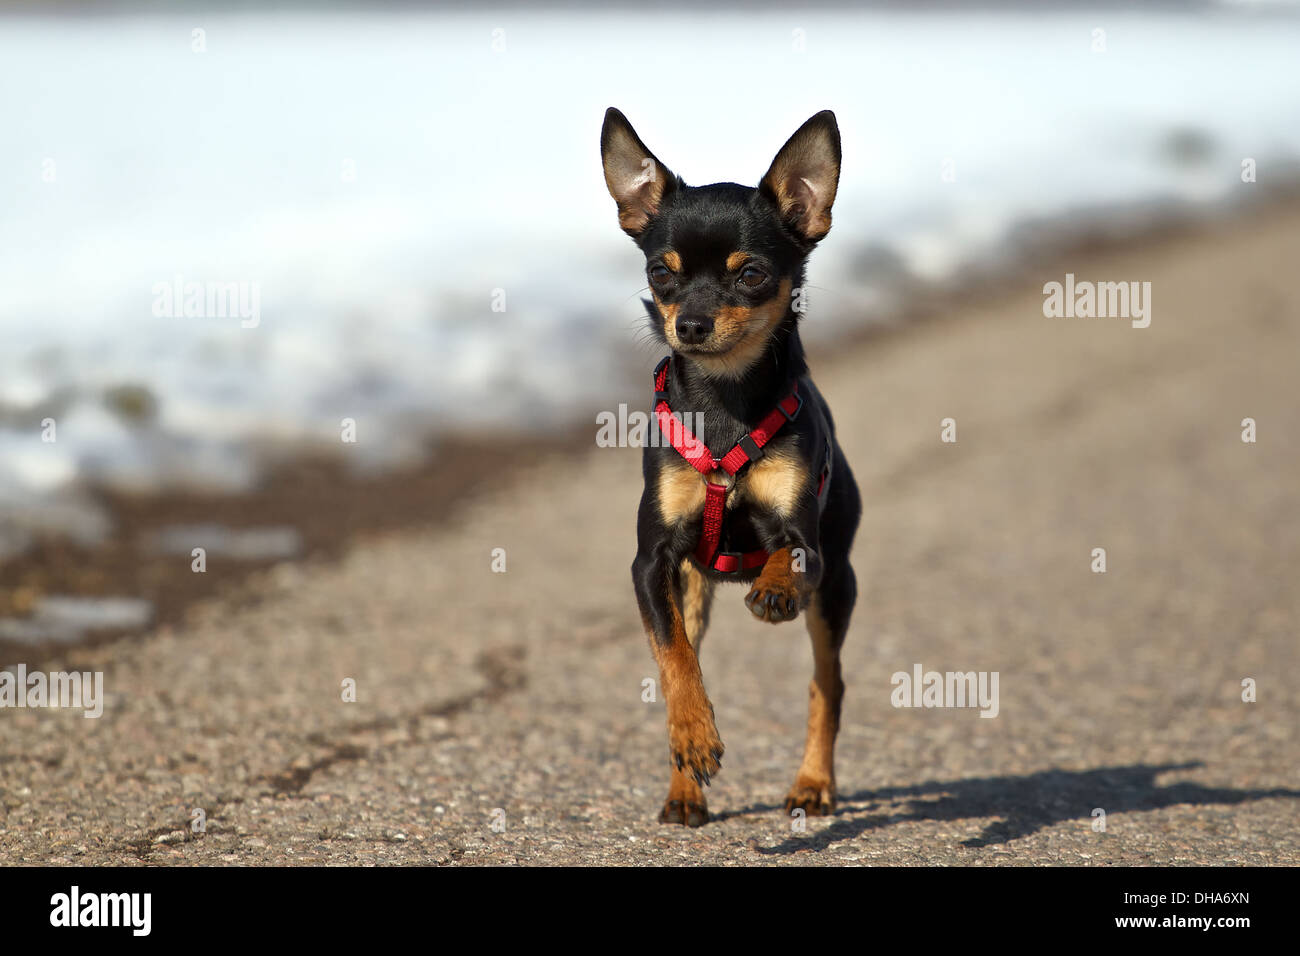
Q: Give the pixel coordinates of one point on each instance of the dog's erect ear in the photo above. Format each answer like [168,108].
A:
[637,181]
[804,176]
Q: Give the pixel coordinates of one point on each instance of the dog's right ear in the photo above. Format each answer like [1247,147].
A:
[637,181]
[804,177]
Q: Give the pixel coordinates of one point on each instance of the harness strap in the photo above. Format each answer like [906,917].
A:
[699,457]
[715,508]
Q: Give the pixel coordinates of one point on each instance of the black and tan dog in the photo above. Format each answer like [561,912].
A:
[763,494]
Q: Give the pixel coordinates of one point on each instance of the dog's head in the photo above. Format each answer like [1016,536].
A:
[724,262]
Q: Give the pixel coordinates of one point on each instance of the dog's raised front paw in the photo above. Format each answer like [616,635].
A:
[778,592]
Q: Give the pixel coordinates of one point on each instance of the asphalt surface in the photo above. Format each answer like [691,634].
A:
[499,717]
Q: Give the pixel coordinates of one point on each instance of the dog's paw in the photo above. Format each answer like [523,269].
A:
[693,743]
[814,799]
[777,594]
[773,604]
[689,813]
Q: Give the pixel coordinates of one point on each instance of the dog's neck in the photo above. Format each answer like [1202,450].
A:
[749,395]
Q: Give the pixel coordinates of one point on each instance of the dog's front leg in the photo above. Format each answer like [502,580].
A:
[792,573]
[694,747]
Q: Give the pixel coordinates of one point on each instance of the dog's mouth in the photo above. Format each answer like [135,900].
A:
[714,345]
[706,347]
[728,357]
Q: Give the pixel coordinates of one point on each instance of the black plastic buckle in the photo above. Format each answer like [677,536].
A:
[791,416]
[750,448]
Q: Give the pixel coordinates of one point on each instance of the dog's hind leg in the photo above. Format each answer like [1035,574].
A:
[828,622]
[828,616]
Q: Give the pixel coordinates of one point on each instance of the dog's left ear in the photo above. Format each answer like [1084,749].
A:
[636,179]
[804,177]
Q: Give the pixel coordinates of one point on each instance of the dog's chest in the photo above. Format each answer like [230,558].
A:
[773,483]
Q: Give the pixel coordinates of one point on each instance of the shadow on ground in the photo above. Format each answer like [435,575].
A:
[1023,804]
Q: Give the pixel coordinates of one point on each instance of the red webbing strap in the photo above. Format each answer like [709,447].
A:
[737,458]
[731,563]
[701,459]
[715,505]
[674,429]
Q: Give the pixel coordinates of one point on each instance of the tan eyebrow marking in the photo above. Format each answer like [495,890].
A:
[673,261]
[736,260]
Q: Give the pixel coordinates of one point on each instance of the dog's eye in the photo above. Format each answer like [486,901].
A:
[752,278]
[660,275]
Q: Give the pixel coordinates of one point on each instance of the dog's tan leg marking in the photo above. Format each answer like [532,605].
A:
[697,599]
[814,785]
[686,802]
[695,750]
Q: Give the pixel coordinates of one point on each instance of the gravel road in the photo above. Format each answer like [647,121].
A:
[499,716]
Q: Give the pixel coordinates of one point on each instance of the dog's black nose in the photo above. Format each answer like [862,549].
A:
[694,329]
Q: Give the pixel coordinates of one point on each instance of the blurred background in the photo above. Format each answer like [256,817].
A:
[407,206]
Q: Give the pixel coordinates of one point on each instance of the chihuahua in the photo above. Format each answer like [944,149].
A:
[763,495]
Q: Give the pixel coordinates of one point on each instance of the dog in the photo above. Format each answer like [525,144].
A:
[764,494]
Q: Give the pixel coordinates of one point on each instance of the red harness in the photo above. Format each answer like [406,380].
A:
[749,448]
